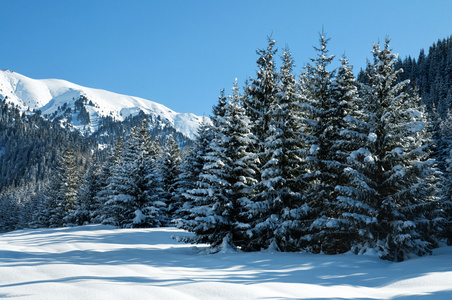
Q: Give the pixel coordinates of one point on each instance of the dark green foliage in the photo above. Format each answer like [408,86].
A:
[169,163]
[277,191]
[61,195]
[191,166]
[9,217]
[209,213]
[130,195]
[322,117]
[88,210]
[260,93]
[215,206]
[29,145]
[401,173]
[431,73]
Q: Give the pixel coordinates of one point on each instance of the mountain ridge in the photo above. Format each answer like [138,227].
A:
[58,97]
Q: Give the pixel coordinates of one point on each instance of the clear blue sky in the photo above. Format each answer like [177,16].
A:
[181,53]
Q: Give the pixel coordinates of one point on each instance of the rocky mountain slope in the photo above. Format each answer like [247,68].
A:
[83,108]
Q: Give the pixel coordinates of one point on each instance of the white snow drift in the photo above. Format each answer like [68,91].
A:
[99,262]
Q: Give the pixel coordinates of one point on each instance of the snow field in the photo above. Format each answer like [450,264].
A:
[101,262]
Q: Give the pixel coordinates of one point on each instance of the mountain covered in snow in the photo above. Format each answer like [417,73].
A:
[83,108]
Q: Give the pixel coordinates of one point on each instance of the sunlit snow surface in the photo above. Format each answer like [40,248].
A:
[100,262]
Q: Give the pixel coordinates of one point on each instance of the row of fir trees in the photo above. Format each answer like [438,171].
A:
[318,163]
[132,188]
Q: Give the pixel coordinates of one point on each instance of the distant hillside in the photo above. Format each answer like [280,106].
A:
[83,108]
[39,119]
[431,73]
[29,145]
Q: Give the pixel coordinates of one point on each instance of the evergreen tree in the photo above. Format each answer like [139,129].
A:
[211,215]
[106,171]
[444,155]
[191,166]
[219,110]
[443,136]
[158,208]
[9,217]
[321,122]
[87,209]
[402,175]
[278,190]
[238,144]
[259,95]
[129,203]
[169,168]
[60,197]
[354,218]
[446,203]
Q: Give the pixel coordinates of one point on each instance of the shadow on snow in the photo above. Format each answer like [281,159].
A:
[240,268]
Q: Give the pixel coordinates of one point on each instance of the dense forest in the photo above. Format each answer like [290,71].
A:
[432,75]
[30,148]
[322,162]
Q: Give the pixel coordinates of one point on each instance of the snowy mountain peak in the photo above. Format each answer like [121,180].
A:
[53,96]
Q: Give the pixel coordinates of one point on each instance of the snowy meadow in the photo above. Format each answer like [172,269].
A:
[101,262]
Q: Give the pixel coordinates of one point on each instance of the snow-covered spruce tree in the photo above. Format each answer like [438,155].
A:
[443,136]
[239,141]
[106,171]
[210,188]
[354,219]
[169,168]
[259,95]
[219,110]
[278,190]
[191,167]
[446,201]
[212,215]
[71,179]
[158,208]
[87,209]
[129,204]
[444,155]
[9,213]
[321,123]
[400,171]
[61,194]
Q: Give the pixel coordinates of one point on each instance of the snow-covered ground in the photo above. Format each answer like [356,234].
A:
[100,262]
